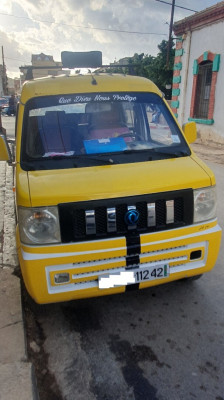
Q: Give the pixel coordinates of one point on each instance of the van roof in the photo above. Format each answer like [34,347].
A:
[89,83]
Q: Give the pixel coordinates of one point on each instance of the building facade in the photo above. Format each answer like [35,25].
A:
[46,62]
[198,78]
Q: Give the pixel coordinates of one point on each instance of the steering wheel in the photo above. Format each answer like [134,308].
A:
[134,135]
[128,134]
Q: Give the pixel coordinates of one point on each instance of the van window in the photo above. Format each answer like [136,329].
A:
[77,130]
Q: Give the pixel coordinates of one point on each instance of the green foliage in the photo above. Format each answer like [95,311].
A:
[154,68]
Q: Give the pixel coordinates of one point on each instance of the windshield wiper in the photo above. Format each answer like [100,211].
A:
[131,151]
[170,152]
[85,157]
[97,158]
[53,157]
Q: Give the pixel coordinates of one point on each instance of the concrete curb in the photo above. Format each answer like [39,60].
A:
[17,377]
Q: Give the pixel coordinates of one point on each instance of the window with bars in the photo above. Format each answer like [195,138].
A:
[203,90]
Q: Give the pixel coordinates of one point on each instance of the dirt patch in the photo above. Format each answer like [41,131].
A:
[213,152]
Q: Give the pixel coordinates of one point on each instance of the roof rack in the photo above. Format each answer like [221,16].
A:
[71,60]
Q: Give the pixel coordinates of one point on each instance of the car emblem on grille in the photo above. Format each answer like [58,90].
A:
[131,217]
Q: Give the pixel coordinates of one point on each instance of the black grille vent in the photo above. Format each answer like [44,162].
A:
[73,217]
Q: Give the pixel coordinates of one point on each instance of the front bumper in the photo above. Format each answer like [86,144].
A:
[189,251]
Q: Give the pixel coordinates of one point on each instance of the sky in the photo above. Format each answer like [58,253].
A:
[51,26]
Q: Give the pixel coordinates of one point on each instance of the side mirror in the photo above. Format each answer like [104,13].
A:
[5,154]
[190,131]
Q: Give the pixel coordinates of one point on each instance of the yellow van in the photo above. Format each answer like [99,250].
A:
[109,195]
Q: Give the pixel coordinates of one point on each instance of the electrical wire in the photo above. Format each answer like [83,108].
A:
[85,27]
[170,4]
[16,59]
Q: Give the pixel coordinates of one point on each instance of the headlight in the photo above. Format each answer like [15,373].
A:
[204,204]
[39,225]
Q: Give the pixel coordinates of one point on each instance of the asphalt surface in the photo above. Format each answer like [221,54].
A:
[163,343]
[9,124]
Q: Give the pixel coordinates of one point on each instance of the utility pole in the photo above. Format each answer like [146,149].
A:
[170,34]
[4,76]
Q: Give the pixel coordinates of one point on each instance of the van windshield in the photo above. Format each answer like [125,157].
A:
[90,129]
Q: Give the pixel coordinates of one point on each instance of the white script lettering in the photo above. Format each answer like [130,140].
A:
[62,100]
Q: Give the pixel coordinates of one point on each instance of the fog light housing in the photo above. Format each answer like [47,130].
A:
[195,255]
[62,278]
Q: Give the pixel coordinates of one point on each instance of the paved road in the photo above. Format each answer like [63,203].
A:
[9,124]
[163,343]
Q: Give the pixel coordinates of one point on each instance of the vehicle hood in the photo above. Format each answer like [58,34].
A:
[52,187]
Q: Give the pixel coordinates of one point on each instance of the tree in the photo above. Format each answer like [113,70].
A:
[155,68]
[141,64]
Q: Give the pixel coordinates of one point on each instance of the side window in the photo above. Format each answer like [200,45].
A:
[159,129]
[128,115]
[135,120]
[205,73]
[203,90]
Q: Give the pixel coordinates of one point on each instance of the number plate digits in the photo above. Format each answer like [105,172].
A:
[135,275]
[151,273]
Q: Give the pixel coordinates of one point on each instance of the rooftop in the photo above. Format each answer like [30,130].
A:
[200,19]
[89,83]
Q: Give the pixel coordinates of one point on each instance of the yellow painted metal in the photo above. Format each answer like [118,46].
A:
[82,269]
[22,187]
[83,84]
[190,131]
[19,128]
[151,241]
[4,155]
[46,188]
[205,168]
[113,248]
[121,180]
[34,270]
[213,241]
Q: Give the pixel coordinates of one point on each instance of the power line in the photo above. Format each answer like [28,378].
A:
[16,59]
[85,27]
[170,4]
[173,5]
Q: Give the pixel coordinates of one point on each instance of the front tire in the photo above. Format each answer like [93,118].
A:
[192,278]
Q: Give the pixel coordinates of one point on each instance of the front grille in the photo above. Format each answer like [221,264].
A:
[89,220]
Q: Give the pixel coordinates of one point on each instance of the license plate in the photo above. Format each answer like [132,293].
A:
[135,275]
